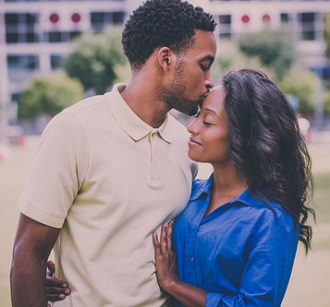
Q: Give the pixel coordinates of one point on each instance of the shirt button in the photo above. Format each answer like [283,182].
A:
[192,259]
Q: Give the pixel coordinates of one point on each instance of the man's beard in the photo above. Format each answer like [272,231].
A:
[174,94]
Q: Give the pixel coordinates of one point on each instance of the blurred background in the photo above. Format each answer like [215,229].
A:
[55,52]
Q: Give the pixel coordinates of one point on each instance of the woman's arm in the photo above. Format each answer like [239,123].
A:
[167,274]
[270,252]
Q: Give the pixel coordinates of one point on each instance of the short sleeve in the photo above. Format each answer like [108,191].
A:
[57,171]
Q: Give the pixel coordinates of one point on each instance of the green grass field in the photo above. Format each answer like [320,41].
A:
[309,285]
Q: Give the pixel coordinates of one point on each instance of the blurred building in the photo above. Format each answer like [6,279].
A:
[35,35]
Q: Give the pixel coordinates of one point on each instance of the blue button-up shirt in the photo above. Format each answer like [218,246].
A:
[241,254]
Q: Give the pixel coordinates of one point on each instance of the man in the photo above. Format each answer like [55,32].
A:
[111,168]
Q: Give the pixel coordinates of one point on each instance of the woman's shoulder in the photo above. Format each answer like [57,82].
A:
[264,207]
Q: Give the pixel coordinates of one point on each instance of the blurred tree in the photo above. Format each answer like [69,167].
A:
[95,59]
[326,18]
[273,48]
[48,95]
[301,84]
[326,102]
[231,57]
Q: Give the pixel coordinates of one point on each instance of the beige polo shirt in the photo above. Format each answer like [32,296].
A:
[108,180]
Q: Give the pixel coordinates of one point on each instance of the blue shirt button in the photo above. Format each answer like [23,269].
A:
[192,259]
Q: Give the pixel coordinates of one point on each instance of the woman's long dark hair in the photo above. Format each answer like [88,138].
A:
[267,147]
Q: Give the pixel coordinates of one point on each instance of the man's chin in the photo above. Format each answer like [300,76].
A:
[192,110]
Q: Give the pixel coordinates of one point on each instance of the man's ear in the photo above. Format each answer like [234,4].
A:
[165,55]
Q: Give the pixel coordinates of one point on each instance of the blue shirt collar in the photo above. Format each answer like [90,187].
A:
[202,189]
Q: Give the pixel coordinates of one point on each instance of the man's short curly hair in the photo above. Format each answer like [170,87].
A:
[157,23]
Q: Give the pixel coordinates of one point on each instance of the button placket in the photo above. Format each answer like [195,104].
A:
[154,169]
[191,265]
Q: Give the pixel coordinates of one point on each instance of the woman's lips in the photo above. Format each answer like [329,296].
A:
[193,142]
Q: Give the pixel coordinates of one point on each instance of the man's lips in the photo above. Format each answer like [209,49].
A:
[206,94]
[193,142]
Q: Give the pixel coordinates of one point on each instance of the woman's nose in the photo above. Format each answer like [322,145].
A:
[192,128]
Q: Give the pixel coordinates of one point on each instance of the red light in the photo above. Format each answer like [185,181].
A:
[245,19]
[54,18]
[266,18]
[75,17]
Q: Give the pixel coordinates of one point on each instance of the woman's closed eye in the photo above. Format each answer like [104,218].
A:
[207,123]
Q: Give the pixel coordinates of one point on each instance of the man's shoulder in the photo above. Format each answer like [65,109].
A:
[87,103]
[97,101]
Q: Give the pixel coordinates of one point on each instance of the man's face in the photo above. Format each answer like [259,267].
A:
[191,79]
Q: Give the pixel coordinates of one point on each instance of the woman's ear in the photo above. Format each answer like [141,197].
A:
[165,58]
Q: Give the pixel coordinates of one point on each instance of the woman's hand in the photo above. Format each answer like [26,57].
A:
[57,290]
[166,266]
[167,271]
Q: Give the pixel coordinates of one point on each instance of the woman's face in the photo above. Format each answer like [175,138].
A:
[209,141]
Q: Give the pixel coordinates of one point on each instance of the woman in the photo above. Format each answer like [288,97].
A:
[236,241]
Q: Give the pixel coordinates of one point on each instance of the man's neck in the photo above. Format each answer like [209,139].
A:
[144,101]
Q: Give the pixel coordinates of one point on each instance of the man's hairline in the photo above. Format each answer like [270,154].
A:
[180,54]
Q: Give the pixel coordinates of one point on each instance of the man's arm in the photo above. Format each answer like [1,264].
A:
[33,244]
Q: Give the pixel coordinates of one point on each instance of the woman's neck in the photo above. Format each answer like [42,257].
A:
[227,185]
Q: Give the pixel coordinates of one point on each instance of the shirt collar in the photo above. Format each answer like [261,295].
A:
[202,189]
[134,126]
